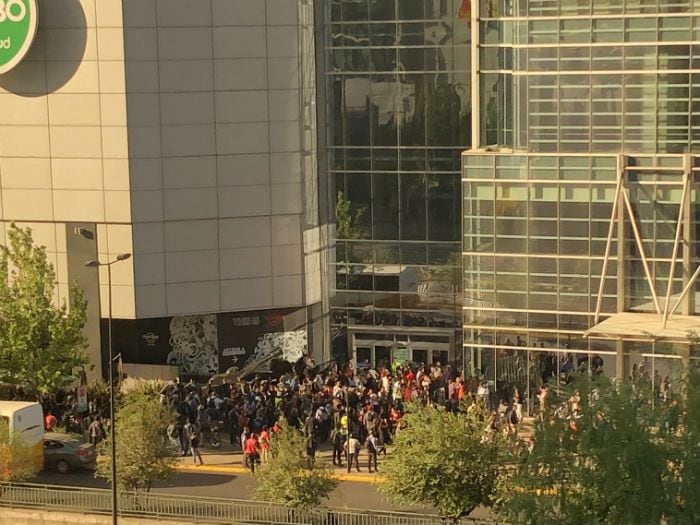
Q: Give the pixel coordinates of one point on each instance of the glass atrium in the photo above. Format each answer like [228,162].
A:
[399,105]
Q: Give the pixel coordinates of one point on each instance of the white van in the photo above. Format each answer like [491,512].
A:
[26,420]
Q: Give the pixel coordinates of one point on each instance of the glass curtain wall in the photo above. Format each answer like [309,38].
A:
[573,91]
[399,117]
[572,77]
[535,228]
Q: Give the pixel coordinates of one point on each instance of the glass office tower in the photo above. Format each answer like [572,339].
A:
[580,232]
[398,109]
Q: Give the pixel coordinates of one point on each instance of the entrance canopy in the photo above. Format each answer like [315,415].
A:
[646,325]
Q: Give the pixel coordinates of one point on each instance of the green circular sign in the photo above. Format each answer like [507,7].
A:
[18,22]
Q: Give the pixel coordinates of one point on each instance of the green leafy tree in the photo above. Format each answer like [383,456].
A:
[683,424]
[40,343]
[142,455]
[444,460]
[597,459]
[18,460]
[288,477]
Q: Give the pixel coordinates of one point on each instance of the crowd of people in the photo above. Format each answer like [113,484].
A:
[350,410]
[61,411]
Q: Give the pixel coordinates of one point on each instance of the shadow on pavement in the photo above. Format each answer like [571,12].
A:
[86,478]
[193,479]
[78,478]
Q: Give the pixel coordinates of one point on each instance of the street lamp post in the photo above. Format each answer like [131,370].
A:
[96,264]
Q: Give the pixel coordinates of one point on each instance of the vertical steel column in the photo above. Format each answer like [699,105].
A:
[475,65]
[112,433]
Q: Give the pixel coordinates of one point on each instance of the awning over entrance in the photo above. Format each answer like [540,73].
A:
[630,324]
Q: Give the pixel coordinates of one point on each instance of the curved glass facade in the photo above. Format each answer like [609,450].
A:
[399,97]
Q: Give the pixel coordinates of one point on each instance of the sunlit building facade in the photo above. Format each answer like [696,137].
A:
[580,217]
[398,105]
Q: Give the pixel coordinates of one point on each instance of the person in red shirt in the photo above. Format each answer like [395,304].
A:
[408,392]
[250,449]
[50,422]
[460,390]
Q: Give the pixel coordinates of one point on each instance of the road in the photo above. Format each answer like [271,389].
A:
[350,494]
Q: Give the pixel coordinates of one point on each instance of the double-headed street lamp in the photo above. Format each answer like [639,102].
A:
[96,264]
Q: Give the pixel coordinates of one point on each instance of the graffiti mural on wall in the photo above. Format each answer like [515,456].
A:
[203,345]
[194,342]
[292,344]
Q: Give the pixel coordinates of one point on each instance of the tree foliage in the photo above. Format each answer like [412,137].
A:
[17,458]
[142,454]
[598,459]
[289,478]
[445,460]
[685,461]
[40,343]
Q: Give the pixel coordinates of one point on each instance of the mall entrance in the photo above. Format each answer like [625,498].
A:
[369,348]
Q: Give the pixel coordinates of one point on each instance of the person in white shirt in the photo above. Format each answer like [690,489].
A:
[352,448]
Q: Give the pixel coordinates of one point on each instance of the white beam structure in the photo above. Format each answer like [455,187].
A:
[608,244]
[686,290]
[679,228]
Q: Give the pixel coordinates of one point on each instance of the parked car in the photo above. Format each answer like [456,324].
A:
[64,452]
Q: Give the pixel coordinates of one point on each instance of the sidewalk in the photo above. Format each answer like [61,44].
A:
[228,460]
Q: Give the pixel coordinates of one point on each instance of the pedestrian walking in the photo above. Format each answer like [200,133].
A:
[337,441]
[372,445]
[352,448]
[96,431]
[264,444]
[194,447]
[250,449]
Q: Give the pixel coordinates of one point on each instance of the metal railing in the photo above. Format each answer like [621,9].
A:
[199,510]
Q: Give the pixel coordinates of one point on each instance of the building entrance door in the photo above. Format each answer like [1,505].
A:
[378,354]
[363,356]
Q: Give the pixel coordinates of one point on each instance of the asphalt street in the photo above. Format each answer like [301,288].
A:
[350,494]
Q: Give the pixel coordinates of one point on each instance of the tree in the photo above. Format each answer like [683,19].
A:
[445,460]
[685,462]
[17,458]
[597,459]
[142,454]
[40,343]
[289,477]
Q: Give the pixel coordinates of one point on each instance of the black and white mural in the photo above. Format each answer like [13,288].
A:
[203,345]
[195,344]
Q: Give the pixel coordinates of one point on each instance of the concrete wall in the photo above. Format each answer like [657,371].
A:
[174,127]
[214,139]
[35,517]
[63,136]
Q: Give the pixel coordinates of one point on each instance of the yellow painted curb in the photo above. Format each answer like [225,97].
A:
[232,469]
[213,469]
[357,477]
